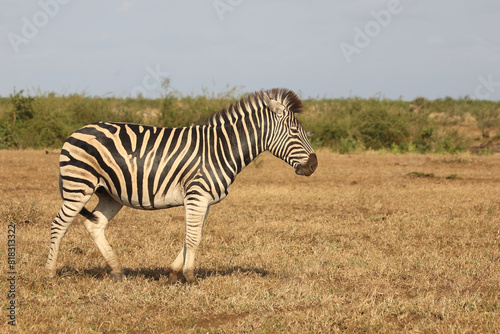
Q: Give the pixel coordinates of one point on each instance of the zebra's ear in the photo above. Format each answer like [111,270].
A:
[274,105]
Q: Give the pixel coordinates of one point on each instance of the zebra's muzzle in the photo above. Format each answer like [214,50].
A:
[308,167]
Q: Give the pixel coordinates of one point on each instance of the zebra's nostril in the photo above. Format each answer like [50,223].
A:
[312,162]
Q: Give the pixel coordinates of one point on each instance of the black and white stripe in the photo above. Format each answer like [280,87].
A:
[146,167]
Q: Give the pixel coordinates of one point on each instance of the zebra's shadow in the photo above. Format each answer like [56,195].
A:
[157,273]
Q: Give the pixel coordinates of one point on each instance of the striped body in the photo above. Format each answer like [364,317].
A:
[150,168]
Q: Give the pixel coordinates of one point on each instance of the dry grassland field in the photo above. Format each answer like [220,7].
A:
[369,243]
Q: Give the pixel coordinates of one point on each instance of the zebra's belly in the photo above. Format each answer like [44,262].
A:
[172,198]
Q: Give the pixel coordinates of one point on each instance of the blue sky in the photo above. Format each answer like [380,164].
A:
[320,48]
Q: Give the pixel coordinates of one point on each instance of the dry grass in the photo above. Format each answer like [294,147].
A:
[370,242]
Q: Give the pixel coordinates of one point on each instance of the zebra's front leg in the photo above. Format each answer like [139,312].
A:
[196,214]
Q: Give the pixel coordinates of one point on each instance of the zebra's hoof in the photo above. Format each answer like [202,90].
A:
[117,277]
[172,278]
[51,273]
[193,282]
[189,276]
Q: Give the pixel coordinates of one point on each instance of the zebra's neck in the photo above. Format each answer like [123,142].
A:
[242,132]
[242,139]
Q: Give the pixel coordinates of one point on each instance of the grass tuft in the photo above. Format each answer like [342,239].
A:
[420,174]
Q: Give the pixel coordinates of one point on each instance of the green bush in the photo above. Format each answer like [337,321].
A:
[379,129]
[346,125]
[23,106]
[7,136]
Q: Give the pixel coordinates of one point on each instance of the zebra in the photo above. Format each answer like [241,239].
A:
[149,168]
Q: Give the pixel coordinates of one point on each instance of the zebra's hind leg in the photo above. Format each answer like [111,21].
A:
[196,214]
[69,210]
[176,266]
[105,210]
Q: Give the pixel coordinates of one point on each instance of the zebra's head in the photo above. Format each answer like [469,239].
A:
[289,140]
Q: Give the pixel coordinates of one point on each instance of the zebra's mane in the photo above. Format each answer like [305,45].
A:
[286,97]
